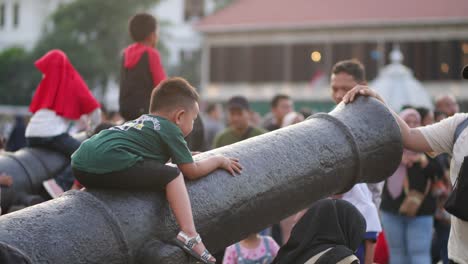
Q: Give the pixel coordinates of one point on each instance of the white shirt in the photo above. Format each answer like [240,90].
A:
[361,198]
[440,137]
[46,123]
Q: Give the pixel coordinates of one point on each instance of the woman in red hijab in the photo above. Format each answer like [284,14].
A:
[61,97]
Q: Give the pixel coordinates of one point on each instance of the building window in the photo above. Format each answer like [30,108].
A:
[193,9]
[2,15]
[16,14]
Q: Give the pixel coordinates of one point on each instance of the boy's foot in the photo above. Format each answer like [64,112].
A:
[195,247]
[52,188]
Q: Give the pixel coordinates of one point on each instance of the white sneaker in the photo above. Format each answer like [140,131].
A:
[52,188]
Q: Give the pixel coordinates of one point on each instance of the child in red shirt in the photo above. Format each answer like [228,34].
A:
[142,69]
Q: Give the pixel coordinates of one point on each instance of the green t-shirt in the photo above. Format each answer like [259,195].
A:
[228,136]
[120,147]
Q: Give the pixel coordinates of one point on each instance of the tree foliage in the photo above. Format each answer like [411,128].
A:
[17,76]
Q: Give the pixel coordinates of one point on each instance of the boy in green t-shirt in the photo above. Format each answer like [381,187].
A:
[133,156]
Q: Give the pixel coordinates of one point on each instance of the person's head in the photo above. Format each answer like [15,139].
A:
[345,75]
[439,116]
[447,104]
[143,28]
[292,118]
[214,111]
[411,117]
[280,106]
[176,100]
[327,224]
[427,115]
[238,113]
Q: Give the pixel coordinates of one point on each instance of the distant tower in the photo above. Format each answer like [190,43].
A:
[397,85]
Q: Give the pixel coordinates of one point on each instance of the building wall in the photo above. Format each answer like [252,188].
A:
[31,17]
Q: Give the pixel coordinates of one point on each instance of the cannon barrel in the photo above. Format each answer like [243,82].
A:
[284,172]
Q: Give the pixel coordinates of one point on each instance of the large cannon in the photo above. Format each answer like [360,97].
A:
[284,172]
[28,169]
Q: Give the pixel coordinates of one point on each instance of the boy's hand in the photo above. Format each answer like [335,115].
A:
[360,90]
[232,165]
[6,180]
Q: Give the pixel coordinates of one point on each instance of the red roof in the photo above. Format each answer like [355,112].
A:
[264,14]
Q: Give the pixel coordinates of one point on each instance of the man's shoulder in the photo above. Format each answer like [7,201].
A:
[258,131]
[227,132]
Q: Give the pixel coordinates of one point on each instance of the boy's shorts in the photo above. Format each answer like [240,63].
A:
[144,175]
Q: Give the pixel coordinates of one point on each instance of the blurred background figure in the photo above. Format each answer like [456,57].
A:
[213,123]
[281,105]
[447,105]
[60,98]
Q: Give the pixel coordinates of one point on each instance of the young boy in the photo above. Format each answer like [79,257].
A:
[142,69]
[132,156]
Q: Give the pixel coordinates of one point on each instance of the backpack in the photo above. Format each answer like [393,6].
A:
[458,199]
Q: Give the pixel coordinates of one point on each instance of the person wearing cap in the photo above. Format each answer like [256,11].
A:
[239,125]
[239,129]
[435,139]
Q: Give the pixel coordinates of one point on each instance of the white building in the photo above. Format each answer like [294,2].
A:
[22,21]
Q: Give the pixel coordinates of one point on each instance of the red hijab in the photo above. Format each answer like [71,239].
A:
[62,89]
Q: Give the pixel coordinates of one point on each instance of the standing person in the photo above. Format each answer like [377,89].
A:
[239,123]
[447,105]
[213,123]
[281,105]
[255,249]
[141,69]
[411,186]
[288,223]
[345,75]
[61,97]
[440,190]
[329,233]
[239,129]
[437,138]
[132,156]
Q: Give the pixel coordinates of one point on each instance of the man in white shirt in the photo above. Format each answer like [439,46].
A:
[437,138]
[346,75]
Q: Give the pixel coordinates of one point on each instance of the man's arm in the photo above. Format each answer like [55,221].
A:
[412,138]
[370,249]
[203,167]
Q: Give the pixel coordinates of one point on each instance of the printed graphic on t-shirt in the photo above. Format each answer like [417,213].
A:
[139,123]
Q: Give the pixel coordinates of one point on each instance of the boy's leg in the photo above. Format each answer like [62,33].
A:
[179,201]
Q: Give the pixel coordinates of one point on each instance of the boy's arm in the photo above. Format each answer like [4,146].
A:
[203,167]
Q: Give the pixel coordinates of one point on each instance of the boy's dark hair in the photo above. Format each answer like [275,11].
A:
[141,26]
[172,93]
[351,67]
[277,98]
